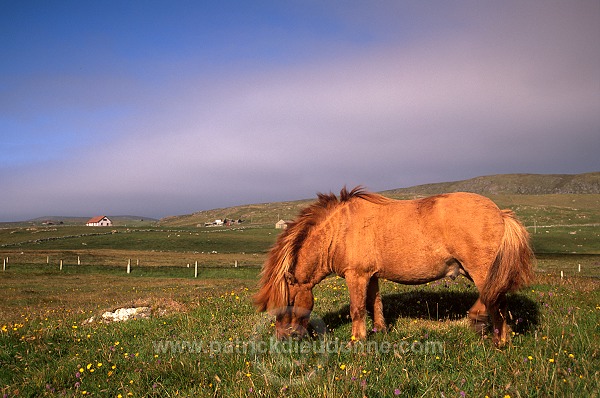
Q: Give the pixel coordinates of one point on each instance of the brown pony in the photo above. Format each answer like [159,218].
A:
[364,237]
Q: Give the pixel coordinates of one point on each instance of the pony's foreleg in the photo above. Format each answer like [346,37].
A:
[375,305]
[357,287]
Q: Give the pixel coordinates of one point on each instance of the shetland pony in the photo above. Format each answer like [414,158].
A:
[364,237]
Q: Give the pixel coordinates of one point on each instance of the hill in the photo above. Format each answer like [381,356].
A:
[512,184]
[528,194]
[260,213]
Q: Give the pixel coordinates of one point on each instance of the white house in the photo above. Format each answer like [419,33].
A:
[100,221]
[282,224]
[213,223]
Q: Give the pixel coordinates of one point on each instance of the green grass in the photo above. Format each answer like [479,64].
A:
[199,341]
[222,240]
[566,239]
[200,338]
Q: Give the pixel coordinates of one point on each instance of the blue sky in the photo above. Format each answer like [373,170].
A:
[159,108]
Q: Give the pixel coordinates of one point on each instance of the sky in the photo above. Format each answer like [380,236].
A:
[157,108]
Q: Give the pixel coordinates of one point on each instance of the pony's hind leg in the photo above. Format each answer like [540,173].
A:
[375,305]
[481,313]
[478,316]
[501,330]
[357,287]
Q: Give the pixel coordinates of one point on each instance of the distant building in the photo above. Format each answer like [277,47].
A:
[213,223]
[100,221]
[219,222]
[282,224]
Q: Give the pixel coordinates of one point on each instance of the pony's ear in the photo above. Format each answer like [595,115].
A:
[290,279]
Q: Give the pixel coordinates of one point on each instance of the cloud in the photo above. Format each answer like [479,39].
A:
[517,93]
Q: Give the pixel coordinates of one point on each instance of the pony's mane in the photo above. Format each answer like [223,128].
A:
[273,293]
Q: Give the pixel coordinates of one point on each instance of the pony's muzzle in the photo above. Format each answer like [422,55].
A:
[291,332]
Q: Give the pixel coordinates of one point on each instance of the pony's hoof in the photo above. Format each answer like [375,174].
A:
[478,322]
[478,327]
[354,341]
[500,344]
[379,329]
[351,344]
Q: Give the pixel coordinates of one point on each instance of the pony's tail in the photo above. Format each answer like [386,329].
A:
[513,266]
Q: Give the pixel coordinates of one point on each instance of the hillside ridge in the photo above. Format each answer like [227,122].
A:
[512,184]
[500,184]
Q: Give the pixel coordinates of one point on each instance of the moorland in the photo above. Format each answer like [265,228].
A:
[204,337]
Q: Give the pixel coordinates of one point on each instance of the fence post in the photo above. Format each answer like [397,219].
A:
[129,266]
[196,270]
[78,261]
[4,265]
[47,259]
[60,266]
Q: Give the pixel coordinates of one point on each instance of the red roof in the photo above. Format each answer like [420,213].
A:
[95,219]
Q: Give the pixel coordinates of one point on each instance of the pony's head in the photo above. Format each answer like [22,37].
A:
[282,294]
[292,320]
[289,301]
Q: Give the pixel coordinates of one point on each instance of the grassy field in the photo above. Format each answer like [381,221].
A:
[205,339]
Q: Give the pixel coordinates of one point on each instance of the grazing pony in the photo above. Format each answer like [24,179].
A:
[363,237]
